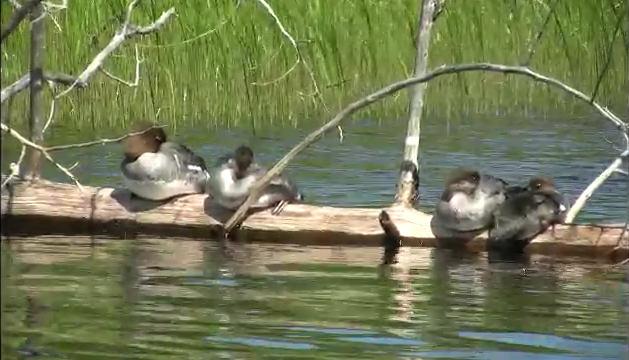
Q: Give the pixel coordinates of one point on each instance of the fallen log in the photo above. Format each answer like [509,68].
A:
[48,208]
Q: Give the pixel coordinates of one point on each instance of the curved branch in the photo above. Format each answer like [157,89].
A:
[393,88]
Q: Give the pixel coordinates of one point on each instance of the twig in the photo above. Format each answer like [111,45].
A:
[127,31]
[298,60]
[391,89]
[51,114]
[18,16]
[15,167]
[99,141]
[136,82]
[25,81]
[42,150]
[196,37]
[538,35]
[47,150]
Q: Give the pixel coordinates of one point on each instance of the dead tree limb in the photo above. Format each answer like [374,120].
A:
[35,79]
[407,186]
[25,81]
[18,16]
[614,167]
[36,106]
[126,32]
[393,88]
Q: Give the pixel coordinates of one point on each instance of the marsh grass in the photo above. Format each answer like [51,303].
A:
[201,68]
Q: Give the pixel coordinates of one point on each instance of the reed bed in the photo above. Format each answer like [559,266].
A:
[222,63]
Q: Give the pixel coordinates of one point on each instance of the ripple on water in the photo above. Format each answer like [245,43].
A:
[164,299]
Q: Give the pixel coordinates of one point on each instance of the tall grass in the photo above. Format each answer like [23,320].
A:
[217,62]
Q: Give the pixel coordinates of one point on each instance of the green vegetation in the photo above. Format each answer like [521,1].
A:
[201,68]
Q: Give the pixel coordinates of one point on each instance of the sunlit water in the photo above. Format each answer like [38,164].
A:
[176,299]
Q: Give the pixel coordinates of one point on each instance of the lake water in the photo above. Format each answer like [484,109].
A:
[78,298]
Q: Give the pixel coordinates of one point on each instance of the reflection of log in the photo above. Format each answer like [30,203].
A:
[53,208]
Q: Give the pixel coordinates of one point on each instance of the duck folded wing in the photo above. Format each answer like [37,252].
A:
[187,160]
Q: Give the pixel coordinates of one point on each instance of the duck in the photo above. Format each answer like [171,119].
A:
[234,175]
[155,169]
[467,204]
[526,214]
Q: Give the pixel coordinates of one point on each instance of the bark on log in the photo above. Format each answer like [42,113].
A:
[47,208]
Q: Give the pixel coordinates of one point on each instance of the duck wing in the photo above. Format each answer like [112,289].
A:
[187,158]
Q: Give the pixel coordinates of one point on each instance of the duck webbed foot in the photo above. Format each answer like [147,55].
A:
[279,207]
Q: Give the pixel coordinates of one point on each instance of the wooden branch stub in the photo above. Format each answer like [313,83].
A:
[46,208]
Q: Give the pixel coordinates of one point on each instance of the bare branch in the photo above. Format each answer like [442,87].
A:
[136,82]
[196,37]
[298,60]
[127,31]
[15,168]
[18,16]
[25,81]
[42,150]
[406,186]
[51,114]
[587,193]
[614,167]
[393,88]
[47,150]
[99,141]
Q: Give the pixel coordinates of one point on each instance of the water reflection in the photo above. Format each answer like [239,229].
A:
[153,299]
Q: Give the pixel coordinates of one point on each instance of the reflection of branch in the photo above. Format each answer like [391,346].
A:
[391,89]
[20,14]
[25,81]
[127,31]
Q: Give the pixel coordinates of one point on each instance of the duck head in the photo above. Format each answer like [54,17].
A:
[547,193]
[544,184]
[150,140]
[243,157]
[472,183]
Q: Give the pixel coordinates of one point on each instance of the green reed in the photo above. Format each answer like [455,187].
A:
[217,63]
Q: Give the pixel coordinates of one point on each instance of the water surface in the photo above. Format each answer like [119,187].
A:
[81,298]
